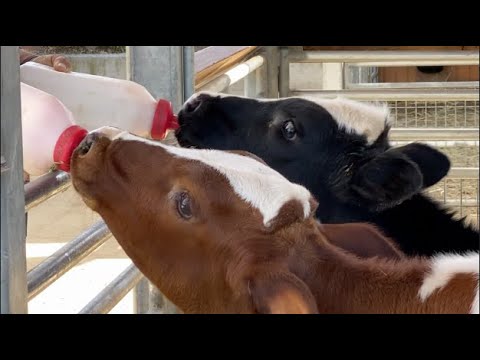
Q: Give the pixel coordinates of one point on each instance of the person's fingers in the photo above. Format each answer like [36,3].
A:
[58,62]
[61,63]
[26,177]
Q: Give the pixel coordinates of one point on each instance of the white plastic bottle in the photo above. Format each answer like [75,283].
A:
[97,101]
[49,132]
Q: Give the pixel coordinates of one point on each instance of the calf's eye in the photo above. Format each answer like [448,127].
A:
[288,129]
[184,206]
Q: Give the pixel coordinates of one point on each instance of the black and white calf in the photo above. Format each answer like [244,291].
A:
[339,150]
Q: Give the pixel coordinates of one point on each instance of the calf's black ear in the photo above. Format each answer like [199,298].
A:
[386,181]
[433,164]
[397,174]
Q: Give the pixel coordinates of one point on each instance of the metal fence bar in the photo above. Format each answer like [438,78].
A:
[141,303]
[284,75]
[45,187]
[463,173]
[188,71]
[113,292]
[272,54]
[388,58]
[394,94]
[250,84]
[461,203]
[434,134]
[416,85]
[162,70]
[438,143]
[233,75]
[52,268]
[159,69]
[13,232]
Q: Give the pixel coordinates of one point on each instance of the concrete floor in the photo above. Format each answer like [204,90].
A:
[50,226]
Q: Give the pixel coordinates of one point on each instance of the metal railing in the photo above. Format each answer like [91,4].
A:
[265,73]
[19,287]
[142,66]
[443,114]
[234,75]
[388,58]
[413,104]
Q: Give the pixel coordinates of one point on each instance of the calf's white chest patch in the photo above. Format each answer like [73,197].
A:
[262,187]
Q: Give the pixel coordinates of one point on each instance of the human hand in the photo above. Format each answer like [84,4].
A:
[58,62]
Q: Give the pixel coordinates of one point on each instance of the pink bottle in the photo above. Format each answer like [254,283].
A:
[97,101]
[49,133]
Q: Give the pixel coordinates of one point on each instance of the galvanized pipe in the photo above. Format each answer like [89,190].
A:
[461,202]
[114,292]
[463,173]
[188,72]
[13,260]
[388,58]
[233,75]
[273,60]
[394,94]
[437,143]
[434,134]
[141,302]
[45,187]
[250,84]
[416,85]
[284,73]
[157,68]
[166,72]
[52,268]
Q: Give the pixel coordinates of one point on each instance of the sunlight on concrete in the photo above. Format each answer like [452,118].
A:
[53,224]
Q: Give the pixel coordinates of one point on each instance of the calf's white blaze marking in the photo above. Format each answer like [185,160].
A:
[446,266]
[365,119]
[355,117]
[259,185]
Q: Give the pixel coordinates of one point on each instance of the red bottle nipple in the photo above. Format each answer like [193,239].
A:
[163,120]
[70,138]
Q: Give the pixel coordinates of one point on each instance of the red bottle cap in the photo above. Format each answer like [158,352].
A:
[163,120]
[70,138]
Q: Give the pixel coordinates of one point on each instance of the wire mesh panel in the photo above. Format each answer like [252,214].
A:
[438,114]
[458,192]
[459,195]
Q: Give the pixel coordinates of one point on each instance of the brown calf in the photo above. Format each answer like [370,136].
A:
[219,232]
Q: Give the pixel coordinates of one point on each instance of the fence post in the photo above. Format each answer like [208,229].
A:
[13,255]
[168,73]
[250,84]
[332,76]
[273,67]
[284,75]
[188,72]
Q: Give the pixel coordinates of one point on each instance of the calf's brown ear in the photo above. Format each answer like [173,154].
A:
[361,239]
[281,293]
